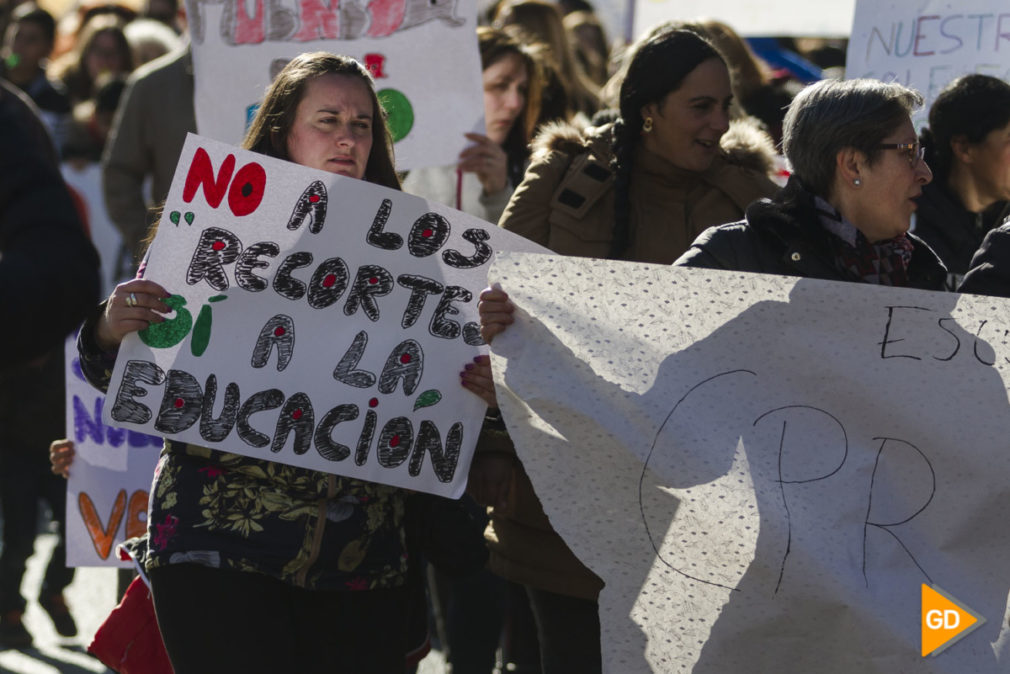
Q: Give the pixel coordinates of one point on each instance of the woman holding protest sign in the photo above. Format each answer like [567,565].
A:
[491,167]
[639,189]
[257,566]
[968,148]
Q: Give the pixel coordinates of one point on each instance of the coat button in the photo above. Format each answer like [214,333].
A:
[795,257]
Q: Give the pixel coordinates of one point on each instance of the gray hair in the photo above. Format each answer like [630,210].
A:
[832,115]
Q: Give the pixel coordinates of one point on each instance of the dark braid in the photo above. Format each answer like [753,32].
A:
[658,67]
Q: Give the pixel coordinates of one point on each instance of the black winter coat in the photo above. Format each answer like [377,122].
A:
[784,236]
[48,267]
[989,273]
[953,232]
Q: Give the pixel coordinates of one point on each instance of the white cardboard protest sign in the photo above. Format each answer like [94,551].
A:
[752,19]
[927,43]
[319,321]
[109,479]
[764,470]
[422,53]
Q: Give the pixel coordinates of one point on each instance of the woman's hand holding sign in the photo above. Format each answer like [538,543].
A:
[132,306]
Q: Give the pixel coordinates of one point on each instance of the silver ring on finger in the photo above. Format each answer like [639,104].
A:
[131,300]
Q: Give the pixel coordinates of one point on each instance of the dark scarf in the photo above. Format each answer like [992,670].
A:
[882,263]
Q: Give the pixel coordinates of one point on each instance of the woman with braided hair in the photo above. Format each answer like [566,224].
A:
[639,189]
[645,186]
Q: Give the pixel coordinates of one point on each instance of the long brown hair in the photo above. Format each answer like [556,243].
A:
[495,45]
[268,133]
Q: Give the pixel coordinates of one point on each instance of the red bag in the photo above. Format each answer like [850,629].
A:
[129,641]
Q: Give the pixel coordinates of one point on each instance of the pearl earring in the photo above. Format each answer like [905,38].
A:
[647,125]
[857,182]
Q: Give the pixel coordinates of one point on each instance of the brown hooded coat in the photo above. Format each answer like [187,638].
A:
[566,203]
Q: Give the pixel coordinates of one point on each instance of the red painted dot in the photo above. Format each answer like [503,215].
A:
[314,198]
[279,331]
[218,245]
[394,441]
[405,358]
[329,280]
[427,233]
[296,415]
[373,280]
[179,402]
[374,402]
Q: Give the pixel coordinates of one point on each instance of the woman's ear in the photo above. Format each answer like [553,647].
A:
[850,165]
[280,150]
[650,110]
[961,149]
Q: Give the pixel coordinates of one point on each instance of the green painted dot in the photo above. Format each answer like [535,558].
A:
[399,111]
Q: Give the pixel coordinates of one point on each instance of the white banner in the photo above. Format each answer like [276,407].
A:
[423,55]
[109,479]
[752,19]
[319,321]
[927,43]
[764,470]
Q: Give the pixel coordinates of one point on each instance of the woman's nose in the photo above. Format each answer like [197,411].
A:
[721,120]
[514,100]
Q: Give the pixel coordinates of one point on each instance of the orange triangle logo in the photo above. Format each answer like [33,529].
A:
[945,620]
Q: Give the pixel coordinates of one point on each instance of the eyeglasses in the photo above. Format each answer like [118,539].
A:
[914,152]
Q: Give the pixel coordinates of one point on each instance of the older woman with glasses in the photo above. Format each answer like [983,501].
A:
[858,170]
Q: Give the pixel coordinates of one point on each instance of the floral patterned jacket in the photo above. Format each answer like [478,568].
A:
[304,527]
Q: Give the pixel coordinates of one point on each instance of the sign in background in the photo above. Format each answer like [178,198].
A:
[86,180]
[764,470]
[422,53]
[752,19]
[926,44]
[109,479]
[319,321]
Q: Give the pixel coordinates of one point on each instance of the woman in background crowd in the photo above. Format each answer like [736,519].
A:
[968,148]
[101,48]
[540,22]
[490,168]
[640,189]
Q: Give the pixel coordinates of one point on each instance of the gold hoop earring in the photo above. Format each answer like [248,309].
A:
[647,125]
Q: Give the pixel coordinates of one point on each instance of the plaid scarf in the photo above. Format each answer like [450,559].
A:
[882,263]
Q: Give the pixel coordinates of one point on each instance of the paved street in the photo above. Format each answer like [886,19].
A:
[91,597]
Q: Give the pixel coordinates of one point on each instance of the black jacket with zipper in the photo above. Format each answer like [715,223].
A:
[784,236]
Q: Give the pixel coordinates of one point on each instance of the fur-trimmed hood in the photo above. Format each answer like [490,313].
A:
[745,144]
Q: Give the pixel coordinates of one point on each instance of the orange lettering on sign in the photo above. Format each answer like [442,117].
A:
[102,537]
[138,505]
